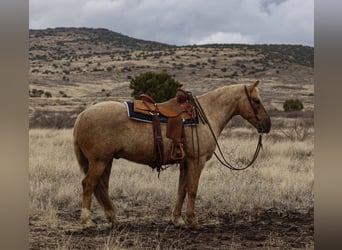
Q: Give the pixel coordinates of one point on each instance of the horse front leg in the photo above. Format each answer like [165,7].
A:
[177,210]
[193,176]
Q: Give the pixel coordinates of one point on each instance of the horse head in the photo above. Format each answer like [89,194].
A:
[251,108]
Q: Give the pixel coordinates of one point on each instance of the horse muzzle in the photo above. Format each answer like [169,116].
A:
[264,126]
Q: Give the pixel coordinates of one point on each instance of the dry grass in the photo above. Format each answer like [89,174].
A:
[282,177]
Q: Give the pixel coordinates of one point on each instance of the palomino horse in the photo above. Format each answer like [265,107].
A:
[104,131]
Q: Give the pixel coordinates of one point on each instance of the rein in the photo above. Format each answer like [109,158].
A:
[223,160]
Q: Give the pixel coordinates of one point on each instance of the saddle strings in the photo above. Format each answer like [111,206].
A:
[223,161]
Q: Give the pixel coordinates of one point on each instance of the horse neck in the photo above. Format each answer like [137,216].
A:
[220,106]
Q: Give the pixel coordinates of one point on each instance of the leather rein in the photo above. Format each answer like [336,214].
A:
[220,157]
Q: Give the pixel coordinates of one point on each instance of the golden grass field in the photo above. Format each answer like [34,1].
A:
[278,187]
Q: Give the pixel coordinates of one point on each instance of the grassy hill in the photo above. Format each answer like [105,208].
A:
[71,68]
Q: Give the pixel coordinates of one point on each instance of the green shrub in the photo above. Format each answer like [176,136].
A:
[292,104]
[48,94]
[160,86]
[36,92]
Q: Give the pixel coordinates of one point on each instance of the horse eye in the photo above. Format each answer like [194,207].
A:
[256,101]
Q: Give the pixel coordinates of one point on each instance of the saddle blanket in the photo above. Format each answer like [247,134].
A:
[148,118]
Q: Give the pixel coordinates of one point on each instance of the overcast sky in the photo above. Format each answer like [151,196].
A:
[185,22]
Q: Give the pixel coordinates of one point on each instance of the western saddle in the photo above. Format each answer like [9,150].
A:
[177,110]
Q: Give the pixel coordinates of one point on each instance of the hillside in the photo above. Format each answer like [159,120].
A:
[71,68]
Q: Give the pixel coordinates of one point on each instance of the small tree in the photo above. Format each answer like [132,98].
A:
[292,104]
[160,86]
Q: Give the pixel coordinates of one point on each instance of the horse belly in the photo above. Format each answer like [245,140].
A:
[139,143]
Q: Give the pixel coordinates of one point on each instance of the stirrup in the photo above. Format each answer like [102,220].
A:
[177,152]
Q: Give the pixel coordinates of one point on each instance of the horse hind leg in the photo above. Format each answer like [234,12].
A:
[89,183]
[102,196]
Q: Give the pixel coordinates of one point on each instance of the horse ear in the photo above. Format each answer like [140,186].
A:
[255,84]
[252,86]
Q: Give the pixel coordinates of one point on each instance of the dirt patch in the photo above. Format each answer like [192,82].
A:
[259,229]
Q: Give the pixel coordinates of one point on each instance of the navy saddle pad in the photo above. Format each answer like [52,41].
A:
[148,118]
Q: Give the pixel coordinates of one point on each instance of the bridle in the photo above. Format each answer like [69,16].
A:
[251,103]
[221,157]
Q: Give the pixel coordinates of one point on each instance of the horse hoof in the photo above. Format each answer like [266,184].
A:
[86,218]
[90,224]
[194,226]
[178,221]
[192,223]
[111,216]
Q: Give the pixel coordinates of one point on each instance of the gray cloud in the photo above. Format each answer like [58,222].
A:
[185,21]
